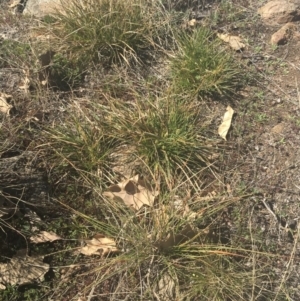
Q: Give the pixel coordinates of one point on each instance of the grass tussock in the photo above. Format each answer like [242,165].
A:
[108,31]
[164,136]
[81,149]
[201,67]
[173,248]
[14,53]
[168,252]
[84,147]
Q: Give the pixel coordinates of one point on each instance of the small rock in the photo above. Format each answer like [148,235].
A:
[192,23]
[296,36]
[41,8]
[285,33]
[280,12]
[278,129]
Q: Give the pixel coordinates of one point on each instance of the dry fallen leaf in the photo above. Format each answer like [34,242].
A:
[235,42]
[166,287]
[44,236]
[4,106]
[22,270]
[192,22]
[224,127]
[99,245]
[134,192]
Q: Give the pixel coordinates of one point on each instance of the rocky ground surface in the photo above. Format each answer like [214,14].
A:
[265,136]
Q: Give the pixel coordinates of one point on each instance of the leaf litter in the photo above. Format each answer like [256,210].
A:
[5,107]
[22,270]
[225,125]
[234,42]
[44,236]
[99,245]
[134,192]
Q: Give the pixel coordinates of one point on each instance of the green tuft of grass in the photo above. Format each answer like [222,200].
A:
[14,53]
[106,30]
[227,11]
[201,67]
[165,135]
[165,255]
[81,146]
[63,73]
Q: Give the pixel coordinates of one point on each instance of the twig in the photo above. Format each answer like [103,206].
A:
[91,294]
[275,217]
[298,94]
[269,209]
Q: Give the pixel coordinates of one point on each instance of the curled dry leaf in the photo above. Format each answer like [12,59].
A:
[224,127]
[99,245]
[134,192]
[234,42]
[4,106]
[44,236]
[22,270]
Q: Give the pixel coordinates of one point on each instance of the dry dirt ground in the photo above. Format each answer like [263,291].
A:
[264,143]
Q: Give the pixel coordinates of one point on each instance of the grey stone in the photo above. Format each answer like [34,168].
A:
[41,8]
[280,12]
[284,34]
